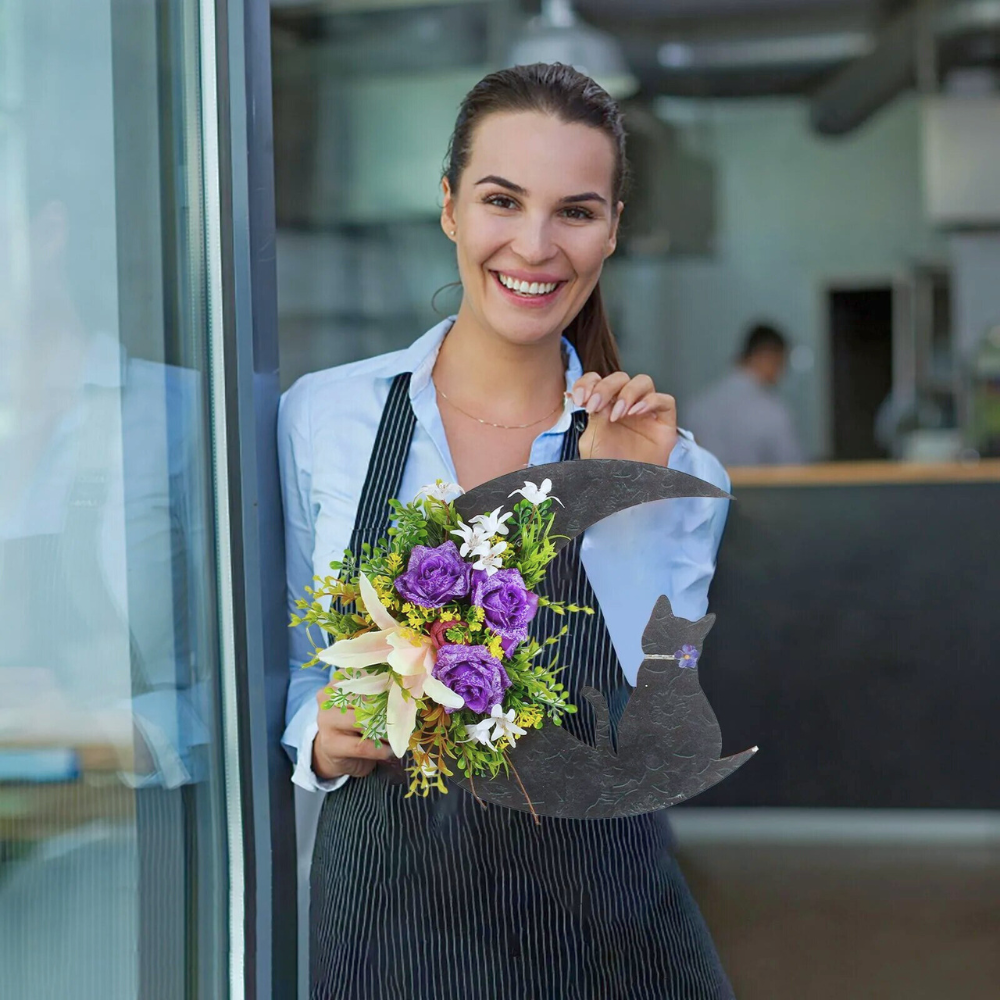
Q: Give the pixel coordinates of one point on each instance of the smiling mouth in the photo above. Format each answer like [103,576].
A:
[527,289]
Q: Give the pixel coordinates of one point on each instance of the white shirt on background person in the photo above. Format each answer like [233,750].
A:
[743,422]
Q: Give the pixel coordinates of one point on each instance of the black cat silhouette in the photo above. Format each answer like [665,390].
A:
[669,742]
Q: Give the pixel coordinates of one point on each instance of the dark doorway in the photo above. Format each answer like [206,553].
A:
[861,354]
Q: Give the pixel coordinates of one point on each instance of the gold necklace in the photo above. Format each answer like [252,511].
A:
[503,427]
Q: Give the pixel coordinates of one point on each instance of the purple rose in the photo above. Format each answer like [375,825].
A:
[474,673]
[508,604]
[435,576]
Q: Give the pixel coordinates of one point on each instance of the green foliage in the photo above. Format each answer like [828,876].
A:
[440,744]
[530,538]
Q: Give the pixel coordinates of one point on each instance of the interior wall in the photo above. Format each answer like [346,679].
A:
[795,211]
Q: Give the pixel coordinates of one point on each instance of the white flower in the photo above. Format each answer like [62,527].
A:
[503,725]
[480,732]
[493,524]
[475,540]
[440,491]
[490,559]
[410,656]
[537,494]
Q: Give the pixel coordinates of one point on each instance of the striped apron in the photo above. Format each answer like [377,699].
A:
[445,899]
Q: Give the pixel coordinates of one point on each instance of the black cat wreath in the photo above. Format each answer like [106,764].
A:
[668,739]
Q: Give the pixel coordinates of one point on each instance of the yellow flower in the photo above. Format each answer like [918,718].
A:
[495,646]
[529,716]
[448,616]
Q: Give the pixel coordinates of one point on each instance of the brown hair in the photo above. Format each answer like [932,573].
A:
[573,98]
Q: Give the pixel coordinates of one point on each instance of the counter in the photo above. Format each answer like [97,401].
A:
[868,473]
[858,637]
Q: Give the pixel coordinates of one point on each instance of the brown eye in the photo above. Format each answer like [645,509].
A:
[578,214]
[500,201]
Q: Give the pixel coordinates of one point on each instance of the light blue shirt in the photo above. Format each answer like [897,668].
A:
[327,424]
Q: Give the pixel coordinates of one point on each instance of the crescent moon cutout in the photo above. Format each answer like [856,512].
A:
[591,489]
[668,741]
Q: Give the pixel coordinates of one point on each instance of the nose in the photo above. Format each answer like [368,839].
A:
[533,242]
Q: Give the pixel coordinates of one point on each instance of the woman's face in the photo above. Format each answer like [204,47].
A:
[534,212]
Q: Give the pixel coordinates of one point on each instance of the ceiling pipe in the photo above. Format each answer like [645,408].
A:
[735,54]
[866,85]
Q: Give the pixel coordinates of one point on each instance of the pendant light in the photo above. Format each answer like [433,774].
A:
[558,35]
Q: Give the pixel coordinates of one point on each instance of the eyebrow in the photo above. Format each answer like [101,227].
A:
[572,199]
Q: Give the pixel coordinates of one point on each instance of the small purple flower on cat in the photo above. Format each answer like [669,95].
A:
[687,656]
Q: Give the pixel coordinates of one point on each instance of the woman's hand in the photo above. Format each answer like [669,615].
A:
[339,749]
[629,419]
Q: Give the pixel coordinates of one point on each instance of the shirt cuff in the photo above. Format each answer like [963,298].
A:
[303,775]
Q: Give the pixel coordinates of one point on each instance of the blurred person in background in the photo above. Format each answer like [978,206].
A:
[741,419]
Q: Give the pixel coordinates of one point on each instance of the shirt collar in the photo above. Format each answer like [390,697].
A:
[420,356]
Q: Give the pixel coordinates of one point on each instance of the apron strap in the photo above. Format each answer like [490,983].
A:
[571,439]
[386,466]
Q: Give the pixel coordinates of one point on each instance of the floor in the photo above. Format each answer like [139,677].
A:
[853,919]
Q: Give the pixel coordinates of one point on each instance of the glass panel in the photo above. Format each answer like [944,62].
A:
[112,859]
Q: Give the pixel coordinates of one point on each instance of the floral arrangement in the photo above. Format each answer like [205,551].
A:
[432,647]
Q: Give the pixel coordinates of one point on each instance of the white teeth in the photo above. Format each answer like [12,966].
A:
[527,288]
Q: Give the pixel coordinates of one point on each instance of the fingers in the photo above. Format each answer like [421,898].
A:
[327,767]
[599,393]
[658,405]
[356,768]
[339,747]
[583,387]
[617,396]
[335,718]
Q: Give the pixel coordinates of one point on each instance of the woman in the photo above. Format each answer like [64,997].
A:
[439,897]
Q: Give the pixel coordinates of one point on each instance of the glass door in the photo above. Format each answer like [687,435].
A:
[116,810]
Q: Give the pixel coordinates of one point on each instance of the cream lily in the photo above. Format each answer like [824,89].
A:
[411,659]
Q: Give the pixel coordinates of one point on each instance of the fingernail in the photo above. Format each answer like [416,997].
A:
[639,407]
[594,403]
[619,409]
[578,397]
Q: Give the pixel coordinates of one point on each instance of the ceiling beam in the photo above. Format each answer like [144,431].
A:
[665,10]
[358,6]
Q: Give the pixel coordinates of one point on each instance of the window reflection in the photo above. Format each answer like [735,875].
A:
[110,852]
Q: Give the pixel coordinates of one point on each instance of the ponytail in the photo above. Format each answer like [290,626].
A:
[591,336]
